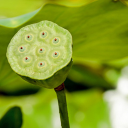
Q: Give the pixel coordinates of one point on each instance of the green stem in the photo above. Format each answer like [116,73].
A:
[63,108]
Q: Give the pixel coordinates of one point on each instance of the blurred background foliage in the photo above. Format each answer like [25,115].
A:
[99,30]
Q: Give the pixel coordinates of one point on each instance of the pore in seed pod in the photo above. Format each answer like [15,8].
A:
[41,54]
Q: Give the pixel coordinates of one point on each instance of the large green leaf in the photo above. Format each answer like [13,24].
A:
[12,8]
[99,29]
[12,119]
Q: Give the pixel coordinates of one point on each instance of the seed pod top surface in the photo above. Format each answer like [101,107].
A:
[40,50]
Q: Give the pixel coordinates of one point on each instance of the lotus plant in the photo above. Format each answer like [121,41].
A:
[41,54]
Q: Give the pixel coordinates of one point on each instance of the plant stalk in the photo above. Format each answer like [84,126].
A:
[60,91]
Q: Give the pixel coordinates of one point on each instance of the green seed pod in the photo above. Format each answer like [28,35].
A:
[41,53]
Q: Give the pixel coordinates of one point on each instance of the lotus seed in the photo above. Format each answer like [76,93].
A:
[41,64]
[27,59]
[56,40]
[43,34]
[22,49]
[41,50]
[55,54]
[29,38]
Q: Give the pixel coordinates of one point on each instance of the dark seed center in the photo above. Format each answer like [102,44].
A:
[21,47]
[41,49]
[26,58]
[43,33]
[55,53]
[40,63]
[28,36]
[55,39]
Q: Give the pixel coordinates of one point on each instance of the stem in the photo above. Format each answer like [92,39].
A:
[62,106]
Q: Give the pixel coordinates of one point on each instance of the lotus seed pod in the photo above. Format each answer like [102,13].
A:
[41,53]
